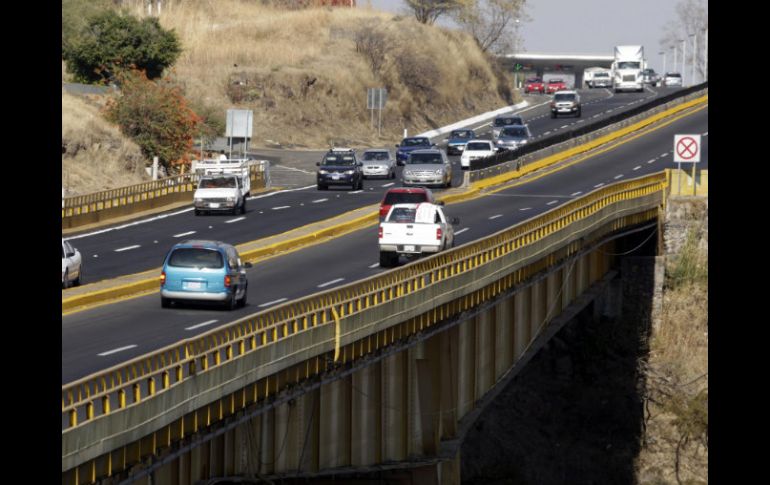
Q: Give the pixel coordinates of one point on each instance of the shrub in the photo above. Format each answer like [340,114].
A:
[75,15]
[111,42]
[156,116]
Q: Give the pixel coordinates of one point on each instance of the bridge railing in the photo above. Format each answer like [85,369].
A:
[129,384]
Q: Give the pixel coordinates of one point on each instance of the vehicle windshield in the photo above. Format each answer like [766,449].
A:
[673,75]
[218,183]
[460,134]
[628,65]
[515,120]
[415,142]
[477,147]
[402,214]
[338,160]
[376,155]
[564,97]
[196,258]
[602,74]
[514,131]
[424,158]
[534,80]
[404,198]
[555,81]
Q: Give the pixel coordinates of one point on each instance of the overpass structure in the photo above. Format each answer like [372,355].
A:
[385,372]
[555,65]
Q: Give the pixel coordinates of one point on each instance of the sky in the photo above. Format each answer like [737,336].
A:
[585,26]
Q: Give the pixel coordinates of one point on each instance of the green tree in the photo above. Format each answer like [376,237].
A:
[156,116]
[111,42]
[75,15]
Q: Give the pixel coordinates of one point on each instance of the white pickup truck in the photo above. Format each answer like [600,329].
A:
[224,185]
[414,230]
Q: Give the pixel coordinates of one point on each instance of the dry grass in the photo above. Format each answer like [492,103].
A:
[96,156]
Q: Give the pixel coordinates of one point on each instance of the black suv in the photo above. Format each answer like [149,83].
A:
[340,167]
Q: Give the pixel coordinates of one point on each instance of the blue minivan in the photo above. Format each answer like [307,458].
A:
[204,271]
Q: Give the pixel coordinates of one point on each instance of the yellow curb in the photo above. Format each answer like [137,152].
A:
[150,284]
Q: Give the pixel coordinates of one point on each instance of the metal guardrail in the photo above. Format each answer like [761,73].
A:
[132,194]
[585,128]
[130,383]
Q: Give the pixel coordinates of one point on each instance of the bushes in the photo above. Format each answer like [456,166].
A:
[111,42]
[156,116]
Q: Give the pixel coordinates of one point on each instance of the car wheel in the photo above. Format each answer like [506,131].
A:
[243,206]
[242,301]
[579,112]
[80,275]
[165,302]
[553,115]
[198,212]
[66,283]
[231,303]
[322,187]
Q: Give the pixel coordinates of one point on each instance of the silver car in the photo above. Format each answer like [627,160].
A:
[427,167]
[378,163]
[513,137]
[71,265]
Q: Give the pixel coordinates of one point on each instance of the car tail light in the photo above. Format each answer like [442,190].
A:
[438,234]
[380,234]
[162,278]
[228,280]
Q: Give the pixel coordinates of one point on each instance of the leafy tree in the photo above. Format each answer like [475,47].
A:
[111,42]
[427,11]
[75,15]
[492,23]
[692,19]
[156,116]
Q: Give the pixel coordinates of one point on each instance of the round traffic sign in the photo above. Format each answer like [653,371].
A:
[687,148]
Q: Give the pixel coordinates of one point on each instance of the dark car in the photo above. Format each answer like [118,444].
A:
[340,167]
[409,145]
[405,195]
[649,76]
[503,121]
[534,85]
[457,140]
[555,85]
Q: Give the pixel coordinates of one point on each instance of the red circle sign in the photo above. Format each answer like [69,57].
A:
[687,148]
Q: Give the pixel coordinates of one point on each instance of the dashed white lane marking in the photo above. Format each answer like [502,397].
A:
[576,193]
[547,133]
[637,167]
[127,248]
[664,154]
[116,350]
[281,207]
[282,191]
[495,216]
[552,202]
[705,133]
[374,265]
[564,126]
[525,208]
[618,176]
[185,234]
[201,325]
[388,185]
[319,200]
[462,230]
[580,121]
[598,185]
[322,285]
[272,302]
[355,192]
[235,220]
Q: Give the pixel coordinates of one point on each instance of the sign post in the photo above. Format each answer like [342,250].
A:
[375,99]
[687,150]
[239,125]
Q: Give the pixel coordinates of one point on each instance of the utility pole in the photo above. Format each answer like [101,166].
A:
[684,55]
[694,56]
[706,57]
[664,61]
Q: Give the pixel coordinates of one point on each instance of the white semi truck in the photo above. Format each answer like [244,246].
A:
[627,68]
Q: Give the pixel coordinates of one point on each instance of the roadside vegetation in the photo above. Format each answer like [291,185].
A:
[675,444]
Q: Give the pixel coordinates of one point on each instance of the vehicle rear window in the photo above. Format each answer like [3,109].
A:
[477,146]
[461,134]
[674,75]
[402,214]
[514,120]
[218,183]
[423,158]
[196,258]
[514,131]
[404,198]
[602,74]
[412,142]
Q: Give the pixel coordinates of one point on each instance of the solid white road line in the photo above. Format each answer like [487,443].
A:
[280,300]
[201,325]
[320,200]
[281,207]
[576,193]
[322,285]
[495,216]
[116,350]
[185,234]
[462,230]
[235,220]
[552,202]
[637,167]
[127,248]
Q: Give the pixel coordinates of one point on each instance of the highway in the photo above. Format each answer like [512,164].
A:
[104,336]
[139,246]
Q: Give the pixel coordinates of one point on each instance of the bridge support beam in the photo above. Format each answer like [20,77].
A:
[503,337]
[466,365]
[267,440]
[395,411]
[539,304]
[449,370]
[485,351]
[334,440]
[366,424]
[521,306]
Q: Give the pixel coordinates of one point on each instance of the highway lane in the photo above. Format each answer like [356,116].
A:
[137,247]
[133,327]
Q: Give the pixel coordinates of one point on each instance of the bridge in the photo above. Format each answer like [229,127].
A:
[562,65]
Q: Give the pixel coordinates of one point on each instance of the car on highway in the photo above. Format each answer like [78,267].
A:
[566,102]
[411,144]
[505,120]
[477,149]
[71,265]
[378,163]
[649,76]
[601,80]
[513,137]
[672,79]
[555,85]
[427,167]
[340,167]
[534,85]
[405,195]
[204,271]
[457,140]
